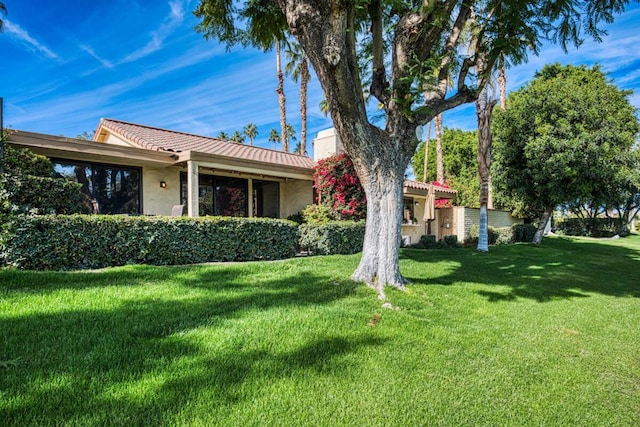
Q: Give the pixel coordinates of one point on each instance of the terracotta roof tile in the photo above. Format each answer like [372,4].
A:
[157,139]
[425,186]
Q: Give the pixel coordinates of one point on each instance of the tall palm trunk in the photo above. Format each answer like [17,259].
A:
[304,82]
[502,82]
[282,101]
[439,161]
[426,153]
[484,108]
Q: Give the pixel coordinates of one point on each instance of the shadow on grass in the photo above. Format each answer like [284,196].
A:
[146,359]
[560,268]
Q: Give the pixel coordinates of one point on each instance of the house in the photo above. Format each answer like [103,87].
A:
[135,169]
[141,170]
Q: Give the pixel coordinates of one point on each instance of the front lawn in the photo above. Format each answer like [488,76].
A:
[523,335]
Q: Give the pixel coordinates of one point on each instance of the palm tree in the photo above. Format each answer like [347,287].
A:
[281,99]
[324,107]
[439,161]
[223,136]
[298,68]
[502,81]
[291,133]
[237,137]
[426,153]
[251,130]
[274,137]
[3,11]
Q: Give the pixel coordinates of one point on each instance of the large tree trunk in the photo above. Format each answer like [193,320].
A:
[546,217]
[484,107]
[379,265]
[281,101]
[327,32]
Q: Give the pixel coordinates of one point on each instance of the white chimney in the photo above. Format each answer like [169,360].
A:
[326,144]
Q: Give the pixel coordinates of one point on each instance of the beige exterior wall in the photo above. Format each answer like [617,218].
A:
[157,200]
[295,195]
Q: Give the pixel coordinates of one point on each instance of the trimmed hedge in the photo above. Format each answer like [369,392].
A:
[334,237]
[44,195]
[591,227]
[52,242]
[504,235]
[428,241]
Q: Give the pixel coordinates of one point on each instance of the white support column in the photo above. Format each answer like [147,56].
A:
[250,197]
[193,195]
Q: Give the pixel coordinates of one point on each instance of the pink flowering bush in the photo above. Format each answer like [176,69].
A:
[339,188]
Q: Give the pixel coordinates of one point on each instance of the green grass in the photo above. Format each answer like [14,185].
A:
[522,335]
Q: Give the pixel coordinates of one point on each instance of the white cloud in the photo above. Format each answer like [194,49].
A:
[92,53]
[171,22]
[22,36]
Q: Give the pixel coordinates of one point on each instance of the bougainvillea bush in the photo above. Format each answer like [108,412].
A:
[339,188]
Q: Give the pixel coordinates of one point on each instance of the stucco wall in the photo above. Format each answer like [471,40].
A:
[295,195]
[157,200]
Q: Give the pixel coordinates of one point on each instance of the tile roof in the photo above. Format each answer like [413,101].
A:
[425,186]
[157,139]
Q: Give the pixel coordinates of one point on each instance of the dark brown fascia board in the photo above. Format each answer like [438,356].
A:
[77,149]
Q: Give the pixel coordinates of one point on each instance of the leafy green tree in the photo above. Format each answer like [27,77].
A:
[223,136]
[561,140]
[414,47]
[251,131]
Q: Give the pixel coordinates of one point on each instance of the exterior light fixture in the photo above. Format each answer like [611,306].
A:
[163,184]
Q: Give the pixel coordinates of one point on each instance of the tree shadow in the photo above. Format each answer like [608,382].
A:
[78,366]
[561,268]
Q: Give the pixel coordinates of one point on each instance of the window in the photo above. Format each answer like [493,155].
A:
[407,211]
[218,195]
[112,189]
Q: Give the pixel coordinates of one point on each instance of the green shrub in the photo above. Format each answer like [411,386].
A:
[334,237]
[590,227]
[427,241]
[52,242]
[524,232]
[316,214]
[450,241]
[40,195]
[503,235]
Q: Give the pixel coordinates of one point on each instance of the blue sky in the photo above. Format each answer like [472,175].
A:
[66,64]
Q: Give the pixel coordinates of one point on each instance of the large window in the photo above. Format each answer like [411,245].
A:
[218,195]
[227,196]
[112,189]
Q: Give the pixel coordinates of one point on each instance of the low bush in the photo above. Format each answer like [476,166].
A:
[503,235]
[590,227]
[52,242]
[334,237]
[428,241]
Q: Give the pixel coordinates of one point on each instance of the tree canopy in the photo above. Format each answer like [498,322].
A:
[416,58]
[567,137]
